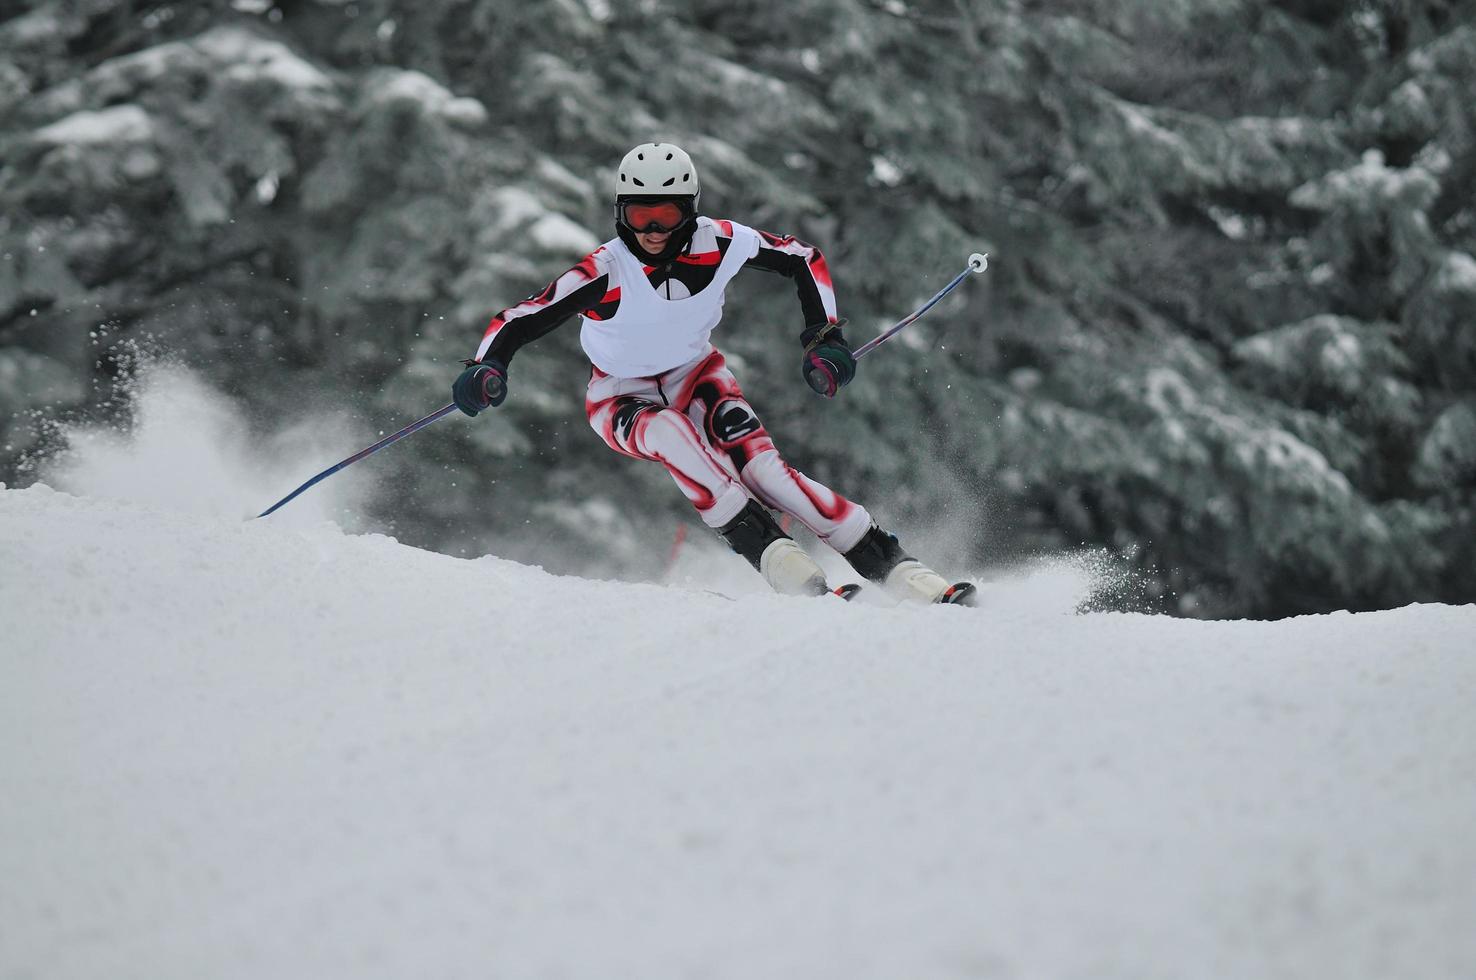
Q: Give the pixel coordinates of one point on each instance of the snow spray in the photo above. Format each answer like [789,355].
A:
[180,445]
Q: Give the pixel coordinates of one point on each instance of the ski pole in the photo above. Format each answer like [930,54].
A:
[978,262]
[395,437]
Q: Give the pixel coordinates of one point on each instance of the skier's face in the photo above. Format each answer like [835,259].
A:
[654,220]
[654,242]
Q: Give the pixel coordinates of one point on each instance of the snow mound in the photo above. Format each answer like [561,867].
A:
[246,748]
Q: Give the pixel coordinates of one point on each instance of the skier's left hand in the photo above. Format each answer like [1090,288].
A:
[828,364]
[480,387]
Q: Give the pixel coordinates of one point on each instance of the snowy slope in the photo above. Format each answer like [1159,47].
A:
[260,749]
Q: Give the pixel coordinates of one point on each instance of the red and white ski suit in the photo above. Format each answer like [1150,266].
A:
[659,389]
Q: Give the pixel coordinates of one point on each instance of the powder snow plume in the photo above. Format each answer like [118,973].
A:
[184,447]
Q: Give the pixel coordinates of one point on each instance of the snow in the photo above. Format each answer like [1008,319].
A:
[1447,455]
[250,56]
[1409,106]
[555,233]
[885,172]
[1297,469]
[1342,356]
[234,51]
[1370,180]
[29,29]
[1233,226]
[393,85]
[740,78]
[240,748]
[1144,128]
[549,230]
[116,124]
[1457,274]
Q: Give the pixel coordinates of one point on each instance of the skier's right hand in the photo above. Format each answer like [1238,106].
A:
[480,387]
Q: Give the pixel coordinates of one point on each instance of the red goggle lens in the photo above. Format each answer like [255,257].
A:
[666,216]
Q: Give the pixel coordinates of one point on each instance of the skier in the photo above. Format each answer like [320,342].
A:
[649,300]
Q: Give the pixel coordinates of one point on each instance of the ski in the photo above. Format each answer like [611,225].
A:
[846,592]
[960,594]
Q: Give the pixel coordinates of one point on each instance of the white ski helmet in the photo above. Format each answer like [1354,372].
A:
[657,170]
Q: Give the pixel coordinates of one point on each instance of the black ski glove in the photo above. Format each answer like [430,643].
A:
[480,387]
[828,363]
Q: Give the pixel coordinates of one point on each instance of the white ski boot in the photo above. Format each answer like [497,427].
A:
[756,536]
[880,558]
[789,571]
[911,580]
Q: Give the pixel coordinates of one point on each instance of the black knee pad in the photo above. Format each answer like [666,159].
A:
[626,413]
[731,421]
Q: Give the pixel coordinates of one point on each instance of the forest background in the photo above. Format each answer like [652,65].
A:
[1226,336]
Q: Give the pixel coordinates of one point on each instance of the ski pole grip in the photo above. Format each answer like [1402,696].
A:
[494,386]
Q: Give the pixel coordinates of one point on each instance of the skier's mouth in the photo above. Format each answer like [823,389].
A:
[654,242]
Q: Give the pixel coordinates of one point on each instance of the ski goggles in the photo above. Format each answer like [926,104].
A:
[648,216]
